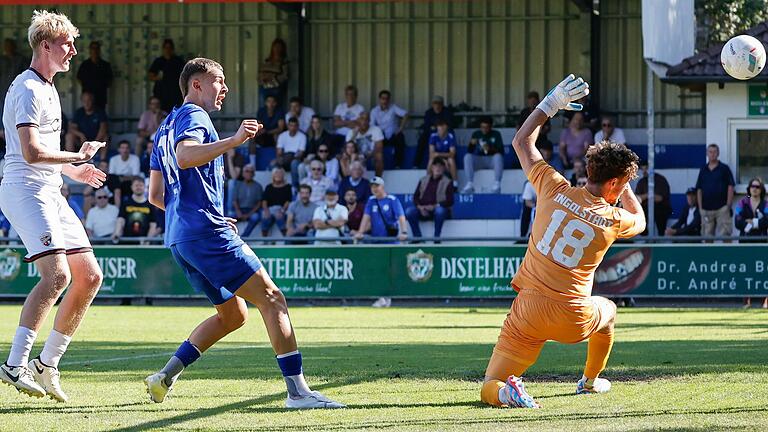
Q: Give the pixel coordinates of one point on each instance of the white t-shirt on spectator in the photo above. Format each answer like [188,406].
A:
[365,141]
[529,193]
[347,113]
[617,136]
[332,170]
[335,213]
[305,118]
[130,167]
[102,220]
[292,144]
[388,120]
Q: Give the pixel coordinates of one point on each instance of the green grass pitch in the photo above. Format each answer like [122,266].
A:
[402,369]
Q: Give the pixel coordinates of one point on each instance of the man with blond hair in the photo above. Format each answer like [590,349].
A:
[29,196]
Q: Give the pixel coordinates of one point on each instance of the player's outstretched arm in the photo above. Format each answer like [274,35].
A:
[562,96]
[190,153]
[34,152]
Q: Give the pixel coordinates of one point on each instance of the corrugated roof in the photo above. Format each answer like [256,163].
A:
[705,66]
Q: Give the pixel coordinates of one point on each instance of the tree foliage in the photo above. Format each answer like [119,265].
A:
[722,19]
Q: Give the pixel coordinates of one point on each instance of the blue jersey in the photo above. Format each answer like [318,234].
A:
[194,196]
[442,145]
[384,213]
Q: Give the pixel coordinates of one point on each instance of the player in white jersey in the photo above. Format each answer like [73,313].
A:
[30,198]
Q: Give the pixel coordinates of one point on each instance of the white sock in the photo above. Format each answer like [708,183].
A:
[54,348]
[297,385]
[21,346]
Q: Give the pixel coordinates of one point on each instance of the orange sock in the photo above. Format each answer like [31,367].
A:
[598,350]
[490,392]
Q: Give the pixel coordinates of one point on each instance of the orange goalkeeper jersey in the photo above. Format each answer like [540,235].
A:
[571,232]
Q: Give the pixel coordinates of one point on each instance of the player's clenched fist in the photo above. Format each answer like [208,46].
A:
[249,129]
[89,149]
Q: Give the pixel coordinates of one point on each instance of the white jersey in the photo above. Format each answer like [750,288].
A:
[31,101]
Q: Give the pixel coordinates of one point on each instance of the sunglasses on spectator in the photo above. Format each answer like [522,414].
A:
[607,125]
[322,151]
[317,169]
[756,186]
[101,197]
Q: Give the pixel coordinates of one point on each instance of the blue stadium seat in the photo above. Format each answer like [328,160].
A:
[479,206]
[674,156]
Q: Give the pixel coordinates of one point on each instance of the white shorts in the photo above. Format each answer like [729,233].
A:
[43,219]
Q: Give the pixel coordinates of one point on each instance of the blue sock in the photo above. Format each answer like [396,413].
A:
[187,353]
[185,356]
[290,365]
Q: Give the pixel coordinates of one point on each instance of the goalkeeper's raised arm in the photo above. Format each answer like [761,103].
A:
[562,96]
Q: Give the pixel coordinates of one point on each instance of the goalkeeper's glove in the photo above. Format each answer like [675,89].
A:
[563,95]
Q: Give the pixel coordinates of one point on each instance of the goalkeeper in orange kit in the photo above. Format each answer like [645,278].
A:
[572,230]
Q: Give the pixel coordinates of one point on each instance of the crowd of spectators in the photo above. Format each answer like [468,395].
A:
[329,196]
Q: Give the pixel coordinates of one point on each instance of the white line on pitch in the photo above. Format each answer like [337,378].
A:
[141,356]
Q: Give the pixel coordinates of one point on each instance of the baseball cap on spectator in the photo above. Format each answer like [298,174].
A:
[691,190]
[377,181]
[438,99]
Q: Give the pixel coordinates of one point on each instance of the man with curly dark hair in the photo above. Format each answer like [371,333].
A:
[572,230]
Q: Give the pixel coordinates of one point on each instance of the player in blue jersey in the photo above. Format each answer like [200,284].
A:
[187,181]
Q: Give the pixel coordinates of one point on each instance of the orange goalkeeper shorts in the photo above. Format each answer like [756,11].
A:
[535,318]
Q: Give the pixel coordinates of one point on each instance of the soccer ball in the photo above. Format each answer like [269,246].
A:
[743,57]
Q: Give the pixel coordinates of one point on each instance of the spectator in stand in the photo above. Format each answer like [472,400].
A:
[148,123]
[291,145]
[609,131]
[273,119]
[348,157]
[751,219]
[246,200]
[233,171]
[531,101]
[662,207]
[331,163]
[165,72]
[330,218]
[5,226]
[303,113]
[354,211]
[273,73]
[442,144]
[355,181]
[111,185]
[579,170]
[88,124]
[574,140]
[145,157]
[11,65]
[346,113]
[369,140]
[275,202]
[383,217]
[715,195]
[137,217]
[751,213]
[125,164]
[392,120]
[318,181]
[581,181]
[689,223]
[486,150]
[547,153]
[318,135]
[72,203]
[529,208]
[300,214]
[438,111]
[432,199]
[102,219]
[95,75]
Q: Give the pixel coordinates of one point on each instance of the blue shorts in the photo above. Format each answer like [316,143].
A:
[216,266]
